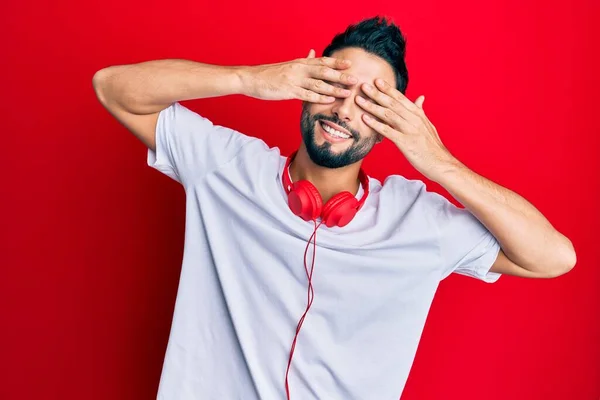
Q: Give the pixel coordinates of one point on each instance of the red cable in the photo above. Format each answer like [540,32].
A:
[309,301]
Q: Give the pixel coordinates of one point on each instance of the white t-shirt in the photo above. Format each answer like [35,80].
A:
[243,284]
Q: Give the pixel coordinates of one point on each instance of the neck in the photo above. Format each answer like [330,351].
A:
[328,181]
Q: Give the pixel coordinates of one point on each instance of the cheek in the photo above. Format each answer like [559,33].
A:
[365,130]
[314,109]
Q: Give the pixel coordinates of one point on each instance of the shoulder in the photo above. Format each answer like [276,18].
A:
[413,194]
[415,189]
[399,183]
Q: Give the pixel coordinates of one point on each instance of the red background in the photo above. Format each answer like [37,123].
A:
[91,242]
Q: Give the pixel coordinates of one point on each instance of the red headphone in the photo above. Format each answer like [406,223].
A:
[305,200]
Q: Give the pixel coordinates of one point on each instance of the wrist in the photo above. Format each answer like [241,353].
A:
[243,80]
[447,170]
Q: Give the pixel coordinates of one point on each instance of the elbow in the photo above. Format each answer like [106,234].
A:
[565,260]
[99,83]
[97,80]
[571,256]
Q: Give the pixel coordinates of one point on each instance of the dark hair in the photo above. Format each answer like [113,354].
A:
[375,36]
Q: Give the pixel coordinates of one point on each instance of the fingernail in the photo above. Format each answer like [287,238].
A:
[368,87]
[353,79]
[360,99]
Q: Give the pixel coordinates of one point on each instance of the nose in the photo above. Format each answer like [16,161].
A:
[345,108]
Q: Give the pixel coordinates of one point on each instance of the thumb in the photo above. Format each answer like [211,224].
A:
[311,53]
[420,101]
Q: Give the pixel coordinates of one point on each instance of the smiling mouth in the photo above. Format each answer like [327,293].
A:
[334,130]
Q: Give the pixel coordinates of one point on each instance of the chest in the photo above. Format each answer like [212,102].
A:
[264,252]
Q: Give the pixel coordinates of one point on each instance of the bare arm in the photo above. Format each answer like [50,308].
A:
[531,246]
[136,93]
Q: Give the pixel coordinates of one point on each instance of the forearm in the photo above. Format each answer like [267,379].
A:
[151,86]
[525,235]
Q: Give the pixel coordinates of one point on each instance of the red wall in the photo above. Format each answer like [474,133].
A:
[91,240]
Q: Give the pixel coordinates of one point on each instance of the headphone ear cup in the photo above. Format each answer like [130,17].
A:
[305,201]
[340,209]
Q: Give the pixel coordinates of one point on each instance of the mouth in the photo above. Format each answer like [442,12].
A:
[333,132]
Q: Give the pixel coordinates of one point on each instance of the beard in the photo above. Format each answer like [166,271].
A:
[322,155]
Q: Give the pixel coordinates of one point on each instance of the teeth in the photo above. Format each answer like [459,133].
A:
[334,132]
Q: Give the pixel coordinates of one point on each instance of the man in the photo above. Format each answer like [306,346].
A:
[241,326]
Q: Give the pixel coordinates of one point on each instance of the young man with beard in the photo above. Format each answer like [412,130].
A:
[241,326]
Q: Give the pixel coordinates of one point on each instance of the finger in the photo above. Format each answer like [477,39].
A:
[389,102]
[385,114]
[332,75]
[331,62]
[419,102]
[319,86]
[311,53]
[313,97]
[382,128]
[395,94]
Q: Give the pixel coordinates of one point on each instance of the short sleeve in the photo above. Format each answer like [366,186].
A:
[466,246]
[190,146]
